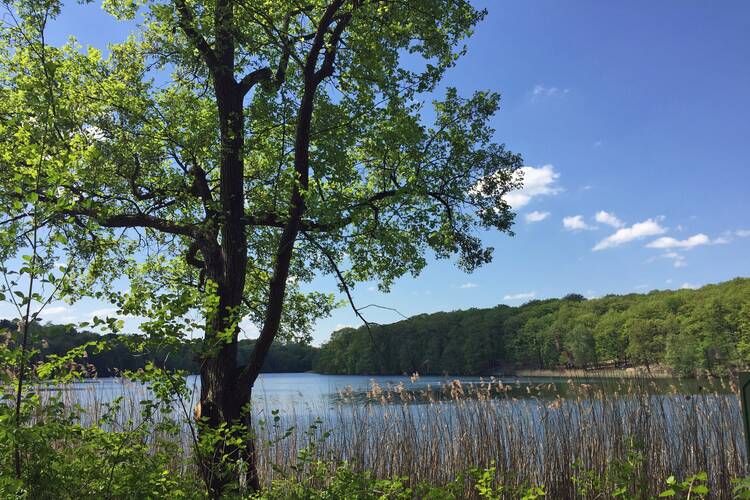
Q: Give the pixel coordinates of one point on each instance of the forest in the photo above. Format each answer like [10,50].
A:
[690,332]
[133,352]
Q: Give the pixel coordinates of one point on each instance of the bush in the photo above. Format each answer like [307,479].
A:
[61,458]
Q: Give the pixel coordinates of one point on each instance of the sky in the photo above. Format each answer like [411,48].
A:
[633,119]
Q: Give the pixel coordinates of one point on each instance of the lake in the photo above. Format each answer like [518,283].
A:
[316,393]
[535,430]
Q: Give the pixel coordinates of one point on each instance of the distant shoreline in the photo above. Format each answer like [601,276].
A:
[635,372]
[657,371]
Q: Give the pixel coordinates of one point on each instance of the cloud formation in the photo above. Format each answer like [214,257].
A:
[47,311]
[469,285]
[536,216]
[667,242]
[542,91]
[678,260]
[575,223]
[541,181]
[637,231]
[609,219]
[520,296]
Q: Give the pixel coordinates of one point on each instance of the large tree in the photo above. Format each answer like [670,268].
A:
[229,151]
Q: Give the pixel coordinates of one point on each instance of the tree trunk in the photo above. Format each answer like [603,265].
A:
[224,407]
[226,389]
[225,403]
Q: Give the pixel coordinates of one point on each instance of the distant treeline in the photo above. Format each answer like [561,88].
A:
[119,355]
[691,331]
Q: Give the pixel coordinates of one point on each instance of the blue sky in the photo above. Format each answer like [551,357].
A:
[634,122]
[637,109]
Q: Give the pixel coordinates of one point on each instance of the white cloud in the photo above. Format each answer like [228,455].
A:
[52,311]
[542,91]
[608,219]
[108,311]
[637,231]
[743,233]
[249,329]
[678,260]
[575,223]
[536,216]
[520,296]
[469,285]
[341,326]
[541,181]
[688,286]
[667,242]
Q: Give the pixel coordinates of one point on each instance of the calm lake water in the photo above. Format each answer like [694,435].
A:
[315,393]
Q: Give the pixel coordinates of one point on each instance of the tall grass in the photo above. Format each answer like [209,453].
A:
[563,436]
[556,437]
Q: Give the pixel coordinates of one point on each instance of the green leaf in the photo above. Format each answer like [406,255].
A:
[701,489]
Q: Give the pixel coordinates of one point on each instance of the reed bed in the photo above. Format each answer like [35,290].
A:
[559,437]
[564,436]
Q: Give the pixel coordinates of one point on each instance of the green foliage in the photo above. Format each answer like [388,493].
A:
[692,487]
[110,355]
[690,331]
[624,478]
[202,171]
[741,488]
[322,483]
[485,485]
[119,152]
[64,458]
[328,481]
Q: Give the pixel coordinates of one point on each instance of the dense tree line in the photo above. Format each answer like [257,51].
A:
[690,331]
[132,352]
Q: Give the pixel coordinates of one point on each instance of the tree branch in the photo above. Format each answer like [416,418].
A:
[186,21]
[277,286]
[136,220]
[343,283]
[265,74]
[329,58]
[257,76]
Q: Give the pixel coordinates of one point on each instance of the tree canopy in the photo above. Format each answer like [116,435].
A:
[689,331]
[199,172]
